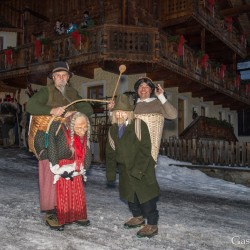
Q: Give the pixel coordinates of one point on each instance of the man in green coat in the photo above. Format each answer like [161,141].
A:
[129,149]
[51,101]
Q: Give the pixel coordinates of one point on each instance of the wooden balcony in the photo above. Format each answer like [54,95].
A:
[141,49]
[198,15]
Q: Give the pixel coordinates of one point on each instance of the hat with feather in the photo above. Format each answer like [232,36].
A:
[60,66]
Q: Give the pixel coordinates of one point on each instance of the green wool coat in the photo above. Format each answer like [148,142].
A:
[135,164]
[48,97]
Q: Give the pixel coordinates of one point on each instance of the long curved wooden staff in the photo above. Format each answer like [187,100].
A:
[122,69]
[85,100]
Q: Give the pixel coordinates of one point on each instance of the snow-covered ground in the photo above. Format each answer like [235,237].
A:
[196,211]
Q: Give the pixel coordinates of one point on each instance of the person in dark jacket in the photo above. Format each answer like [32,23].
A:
[8,111]
[129,149]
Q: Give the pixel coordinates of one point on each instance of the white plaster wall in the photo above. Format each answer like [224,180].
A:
[244,138]
[171,127]
[9,39]
[211,111]
[24,97]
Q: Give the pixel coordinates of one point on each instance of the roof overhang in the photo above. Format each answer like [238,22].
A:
[18,30]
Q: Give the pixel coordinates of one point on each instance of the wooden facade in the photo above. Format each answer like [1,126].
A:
[144,35]
[206,128]
[187,44]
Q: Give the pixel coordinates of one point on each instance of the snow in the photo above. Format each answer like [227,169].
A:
[196,211]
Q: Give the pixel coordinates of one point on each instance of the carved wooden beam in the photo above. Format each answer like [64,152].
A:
[165,75]
[5,87]
[16,83]
[21,81]
[236,10]
[36,14]
[39,78]
[188,30]
[85,70]
[27,9]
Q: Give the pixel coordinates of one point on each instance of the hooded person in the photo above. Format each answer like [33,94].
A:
[67,148]
[129,150]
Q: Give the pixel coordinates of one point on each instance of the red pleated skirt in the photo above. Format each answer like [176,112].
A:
[71,200]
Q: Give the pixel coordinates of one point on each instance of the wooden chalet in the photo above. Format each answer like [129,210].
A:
[191,47]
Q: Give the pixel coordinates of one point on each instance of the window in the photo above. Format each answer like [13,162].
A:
[244,115]
[243,122]
[244,69]
[220,115]
[95,92]
[195,112]
[203,111]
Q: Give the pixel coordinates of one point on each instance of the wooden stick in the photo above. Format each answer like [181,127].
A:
[80,100]
[122,69]
[86,100]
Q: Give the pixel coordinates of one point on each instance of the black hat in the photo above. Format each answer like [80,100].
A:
[60,66]
[123,103]
[147,80]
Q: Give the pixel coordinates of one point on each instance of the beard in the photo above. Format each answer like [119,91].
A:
[121,120]
[61,89]
[61,86]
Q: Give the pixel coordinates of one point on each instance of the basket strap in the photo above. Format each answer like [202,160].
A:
[111,141]
[138,128]
[47,131]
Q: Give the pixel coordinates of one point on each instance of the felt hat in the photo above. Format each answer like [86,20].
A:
[146,80]
[123,103]
[60,66]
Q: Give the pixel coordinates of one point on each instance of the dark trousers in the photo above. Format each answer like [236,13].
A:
[148,210]
[16,131]
[5,130]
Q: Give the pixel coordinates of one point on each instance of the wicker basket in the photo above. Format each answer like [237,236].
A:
[155,124]
[39,123]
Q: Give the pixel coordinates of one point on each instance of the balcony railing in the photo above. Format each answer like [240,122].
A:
[121,43]
[193,67]
[207,15]
[217,25]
